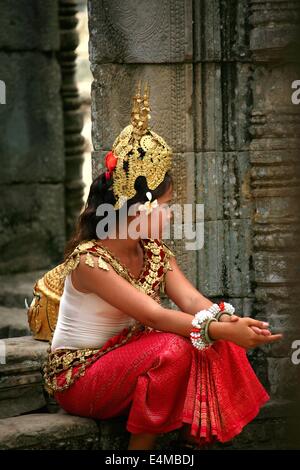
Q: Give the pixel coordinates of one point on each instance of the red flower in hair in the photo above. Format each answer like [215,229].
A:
[110,161]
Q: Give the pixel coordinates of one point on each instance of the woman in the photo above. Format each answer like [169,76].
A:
[116,350]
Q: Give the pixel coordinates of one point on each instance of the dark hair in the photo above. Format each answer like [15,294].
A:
[101,193]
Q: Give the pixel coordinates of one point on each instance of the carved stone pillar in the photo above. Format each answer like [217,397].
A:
[274,156]
[73,116]
[221,99]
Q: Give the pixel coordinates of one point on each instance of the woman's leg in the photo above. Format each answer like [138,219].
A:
[142,441]
[147,378]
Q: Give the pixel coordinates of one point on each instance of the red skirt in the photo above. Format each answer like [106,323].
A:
[160,381]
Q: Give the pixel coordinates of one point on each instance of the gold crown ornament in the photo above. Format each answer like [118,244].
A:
[137,151]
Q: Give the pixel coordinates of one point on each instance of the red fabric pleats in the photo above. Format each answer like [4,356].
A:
[160,381]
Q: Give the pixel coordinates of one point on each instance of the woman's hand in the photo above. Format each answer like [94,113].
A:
[259,330]
[241,332]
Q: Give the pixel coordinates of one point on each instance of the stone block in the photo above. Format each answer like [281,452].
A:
[21,382]
[223,184]
[283,376]
[238,257]
[29,25]
[273,29]
[13,322]
[224,261]
[15,288]
[275,268]
[32,231]
[221,30]
[141,32]
[32,131]
[222,103]
[185,248]
[42,431]
[170,98]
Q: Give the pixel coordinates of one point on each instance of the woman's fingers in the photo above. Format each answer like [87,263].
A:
[271,338]
[256,329]
[261,331]
[258,323]
[266,332]
[234,317]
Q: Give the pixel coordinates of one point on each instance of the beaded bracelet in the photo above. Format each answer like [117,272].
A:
[219,309]
[199,333]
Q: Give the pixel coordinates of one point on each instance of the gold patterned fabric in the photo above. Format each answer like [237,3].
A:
[151,281]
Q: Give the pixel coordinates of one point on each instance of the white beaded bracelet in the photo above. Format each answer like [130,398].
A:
[219,309]
[199,334]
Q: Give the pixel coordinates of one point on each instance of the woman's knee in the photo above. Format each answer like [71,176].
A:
[178,345]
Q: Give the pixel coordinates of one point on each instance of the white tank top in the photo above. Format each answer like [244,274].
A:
[86,320]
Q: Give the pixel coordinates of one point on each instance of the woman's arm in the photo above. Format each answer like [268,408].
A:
[184,294]
[118,292]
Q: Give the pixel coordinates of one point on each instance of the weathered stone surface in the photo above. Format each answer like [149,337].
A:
[275,267]
[221,30]
[15,288]
[32,233]
[113,433]
[224,261]
[184,248]
[29,25]
[42,431]
[274,26]
[222,100]
[143,32]
[31,139]
[243,305]
[242,128]
[13,322]
[98,165]
[260,434]
[21,383]
[223,184]
[171,102]
[282,375]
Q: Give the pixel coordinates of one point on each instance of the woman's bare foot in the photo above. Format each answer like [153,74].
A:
[142,441]
[185,435]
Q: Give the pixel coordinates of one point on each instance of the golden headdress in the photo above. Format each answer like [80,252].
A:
[137,151]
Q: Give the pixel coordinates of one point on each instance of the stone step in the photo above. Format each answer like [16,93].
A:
[22,392]
[21,386]
[43,431]
[16,287]
[13,322]
[49,431]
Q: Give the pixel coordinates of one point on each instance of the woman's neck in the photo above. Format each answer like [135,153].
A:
[126,246]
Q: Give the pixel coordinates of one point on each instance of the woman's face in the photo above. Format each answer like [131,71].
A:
[153,224]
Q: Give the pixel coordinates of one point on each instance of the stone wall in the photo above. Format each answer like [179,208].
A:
[40,144]
[220,98]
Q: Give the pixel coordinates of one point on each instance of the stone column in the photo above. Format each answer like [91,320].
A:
[222,100]
[274,156]
[40,142]
[223,103]
[32,200]
[72,113]
[145,40]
